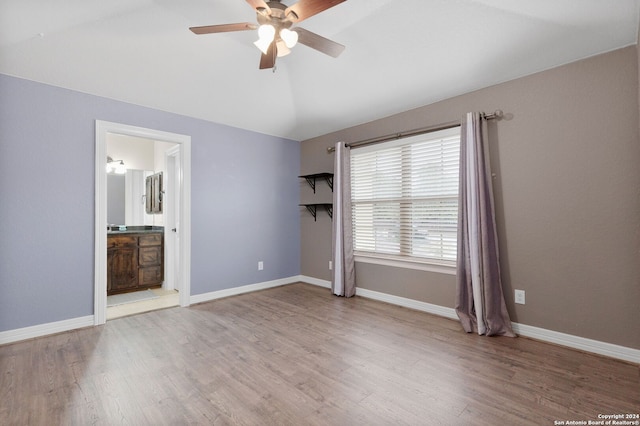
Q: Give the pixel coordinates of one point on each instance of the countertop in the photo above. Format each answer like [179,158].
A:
[113,230]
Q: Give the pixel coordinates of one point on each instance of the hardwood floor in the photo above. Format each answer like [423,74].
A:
[296,355]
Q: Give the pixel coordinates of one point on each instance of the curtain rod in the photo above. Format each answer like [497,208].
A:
[497,114]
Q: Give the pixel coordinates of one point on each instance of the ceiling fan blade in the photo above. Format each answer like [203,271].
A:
[318,42]
[269,60]
[260,6]
[209,29]
[307,8]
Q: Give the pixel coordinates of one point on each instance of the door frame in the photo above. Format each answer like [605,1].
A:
[173,178]
[184,250]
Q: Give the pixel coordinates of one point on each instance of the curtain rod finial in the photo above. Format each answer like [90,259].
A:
[497,115]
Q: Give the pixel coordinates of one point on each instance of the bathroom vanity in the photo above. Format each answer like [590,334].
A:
[135,258]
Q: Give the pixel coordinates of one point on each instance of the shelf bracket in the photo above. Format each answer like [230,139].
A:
[329,209]
[313,209]
[329,179]
[311,180]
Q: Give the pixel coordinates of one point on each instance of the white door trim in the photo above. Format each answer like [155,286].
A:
[100,261]
[173,178]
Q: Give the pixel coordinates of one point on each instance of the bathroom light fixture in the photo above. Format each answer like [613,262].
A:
[115,166]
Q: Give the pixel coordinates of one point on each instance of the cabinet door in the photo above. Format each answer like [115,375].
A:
[148,194]
[124,268]
[157,193]
[150,275]
[149,256]
[154,239]
[153,193]
[110,253]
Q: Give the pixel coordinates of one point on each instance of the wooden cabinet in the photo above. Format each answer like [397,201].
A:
[150,259]
[135,261]
[122,262]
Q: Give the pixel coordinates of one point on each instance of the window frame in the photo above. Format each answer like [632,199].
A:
[407,260]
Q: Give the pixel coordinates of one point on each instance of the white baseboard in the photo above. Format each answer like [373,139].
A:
[408,303]
[576,342]
[206,297]
[39,330]
[314,281]
[588,345]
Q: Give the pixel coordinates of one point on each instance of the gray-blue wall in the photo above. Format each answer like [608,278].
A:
[245,194]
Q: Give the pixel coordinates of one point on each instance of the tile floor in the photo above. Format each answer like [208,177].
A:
[166,299]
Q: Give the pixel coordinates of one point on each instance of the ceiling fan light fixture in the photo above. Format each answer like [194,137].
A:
[263,44]
[289,37]
[266,32]
[282,48]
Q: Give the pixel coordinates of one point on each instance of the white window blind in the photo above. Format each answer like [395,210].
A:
[405,197]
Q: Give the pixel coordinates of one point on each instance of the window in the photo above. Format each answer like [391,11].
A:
[405,198]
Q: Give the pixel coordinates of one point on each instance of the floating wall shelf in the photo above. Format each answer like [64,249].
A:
[311,179]
[313,209]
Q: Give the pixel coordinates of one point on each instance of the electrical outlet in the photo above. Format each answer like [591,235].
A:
[519,296]
[260,266]
[330,265]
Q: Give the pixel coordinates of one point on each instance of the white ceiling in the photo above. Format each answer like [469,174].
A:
[400,54]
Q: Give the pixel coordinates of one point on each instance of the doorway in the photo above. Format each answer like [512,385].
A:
[179,159]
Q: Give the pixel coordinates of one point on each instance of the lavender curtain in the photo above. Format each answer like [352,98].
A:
[343,282]
[479,299]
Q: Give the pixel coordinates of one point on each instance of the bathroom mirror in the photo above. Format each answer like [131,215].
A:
[126,198]
[115,199]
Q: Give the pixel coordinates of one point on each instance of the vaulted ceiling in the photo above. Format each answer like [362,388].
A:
[400,54]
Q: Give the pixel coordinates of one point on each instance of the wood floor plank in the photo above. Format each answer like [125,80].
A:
[297,355]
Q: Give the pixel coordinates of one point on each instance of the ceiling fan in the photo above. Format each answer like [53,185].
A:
[276,35]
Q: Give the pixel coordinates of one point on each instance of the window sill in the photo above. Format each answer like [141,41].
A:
[407,264]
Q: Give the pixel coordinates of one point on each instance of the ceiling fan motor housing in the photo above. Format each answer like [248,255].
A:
[277,17]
